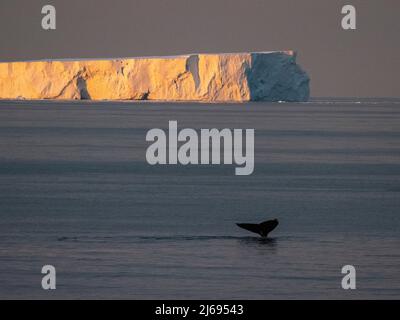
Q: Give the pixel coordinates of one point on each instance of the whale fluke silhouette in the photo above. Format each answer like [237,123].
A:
[262,228]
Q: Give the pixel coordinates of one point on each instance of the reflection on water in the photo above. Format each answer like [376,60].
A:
[169,238]
[259,242]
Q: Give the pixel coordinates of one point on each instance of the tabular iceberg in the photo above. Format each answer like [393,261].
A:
[228,77]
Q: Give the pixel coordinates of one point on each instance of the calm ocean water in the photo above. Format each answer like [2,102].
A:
[76,193]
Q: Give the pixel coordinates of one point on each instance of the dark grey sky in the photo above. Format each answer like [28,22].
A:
[365,62]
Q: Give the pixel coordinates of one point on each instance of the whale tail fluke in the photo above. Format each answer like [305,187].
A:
[263,228]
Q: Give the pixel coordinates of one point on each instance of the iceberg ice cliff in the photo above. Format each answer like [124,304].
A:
[259,76]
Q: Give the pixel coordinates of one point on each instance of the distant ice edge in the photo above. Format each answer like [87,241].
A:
[228,77]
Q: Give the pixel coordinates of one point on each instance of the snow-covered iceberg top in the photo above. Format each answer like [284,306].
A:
[225,77]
